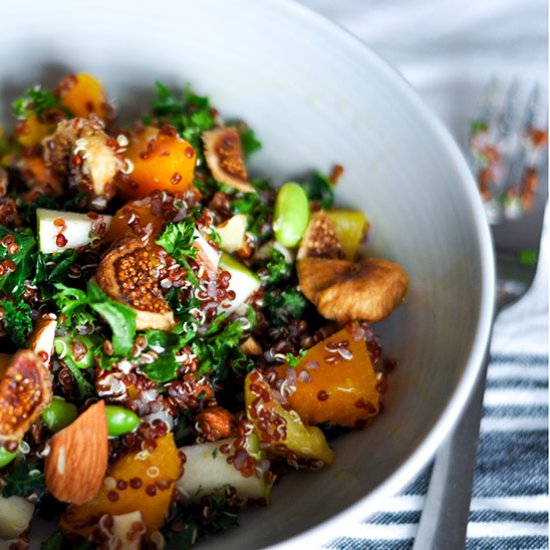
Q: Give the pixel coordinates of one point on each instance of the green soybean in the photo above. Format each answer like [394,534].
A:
[120,421]
[79,348]
[291,214]
[6,457]
[59,414]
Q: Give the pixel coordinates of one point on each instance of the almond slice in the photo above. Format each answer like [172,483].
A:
[224,156]
[78,457]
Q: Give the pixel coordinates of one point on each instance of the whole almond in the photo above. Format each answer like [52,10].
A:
[77,462]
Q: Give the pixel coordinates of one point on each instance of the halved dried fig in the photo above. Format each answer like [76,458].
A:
[25,391]
[346,291]
[82,148]
[128,273]
[320,239]
[224,156]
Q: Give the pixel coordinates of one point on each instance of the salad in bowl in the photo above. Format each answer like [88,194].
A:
[176,335]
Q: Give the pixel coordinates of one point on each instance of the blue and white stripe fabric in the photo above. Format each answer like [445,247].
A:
[448,51]
[509,509]
[510,504]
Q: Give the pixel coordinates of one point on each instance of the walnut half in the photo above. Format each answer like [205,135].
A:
[346,291]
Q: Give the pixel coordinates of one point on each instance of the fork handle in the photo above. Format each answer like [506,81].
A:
[444,519]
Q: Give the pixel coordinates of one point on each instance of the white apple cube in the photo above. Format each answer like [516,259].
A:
[232,233]
[59,231]
[207,471]
[243,281]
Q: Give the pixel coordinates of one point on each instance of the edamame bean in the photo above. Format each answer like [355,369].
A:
[120,421]
[5,457]
[59,414]
[291,214]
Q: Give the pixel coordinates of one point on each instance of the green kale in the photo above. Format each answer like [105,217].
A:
[190,114]
[257,209]
[23,480]
[220,348]
[73,305]
[17,321]
[319,189]
[12,283]
[249,142]
[121,318]
[177,239]
[163,369]
[213,514]
[53,268]
[35,101]
[281,307]
[182,309]
[294,360]
[80,308]
[277,266]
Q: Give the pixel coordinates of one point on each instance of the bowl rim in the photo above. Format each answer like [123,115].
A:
[448,419]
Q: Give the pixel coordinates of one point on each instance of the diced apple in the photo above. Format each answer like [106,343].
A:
[126,532]
[266,412]
[15,516]
[59,231]
[232,233]
[351,228]
[243,281]
[206,471]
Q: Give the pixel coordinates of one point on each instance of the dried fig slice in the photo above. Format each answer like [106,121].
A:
[224,156]
[128,274]
[346,291]
[320,239]
[25,391]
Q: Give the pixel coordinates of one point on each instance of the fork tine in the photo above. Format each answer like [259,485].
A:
[523,173]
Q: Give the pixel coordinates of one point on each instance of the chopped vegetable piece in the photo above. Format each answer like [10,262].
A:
[351,229]
[82,95]
[141,481]
[291,214]
[207,471]
[58,231]
[335,381]
[282,429]
[158,160]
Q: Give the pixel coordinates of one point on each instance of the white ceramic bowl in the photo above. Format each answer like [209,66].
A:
[315,96]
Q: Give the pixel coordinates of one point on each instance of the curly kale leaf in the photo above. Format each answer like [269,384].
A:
[17,321]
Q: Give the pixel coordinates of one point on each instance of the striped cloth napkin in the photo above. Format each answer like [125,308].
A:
[509,509]
[448,51]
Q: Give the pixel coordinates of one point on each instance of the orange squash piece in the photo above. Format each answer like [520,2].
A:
[33,130]
[336,382]
[36,174]
[132,219]
[158,159]
[83,95]
[141,482]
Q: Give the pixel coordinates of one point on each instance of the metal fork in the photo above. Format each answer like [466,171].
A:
[507,153]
